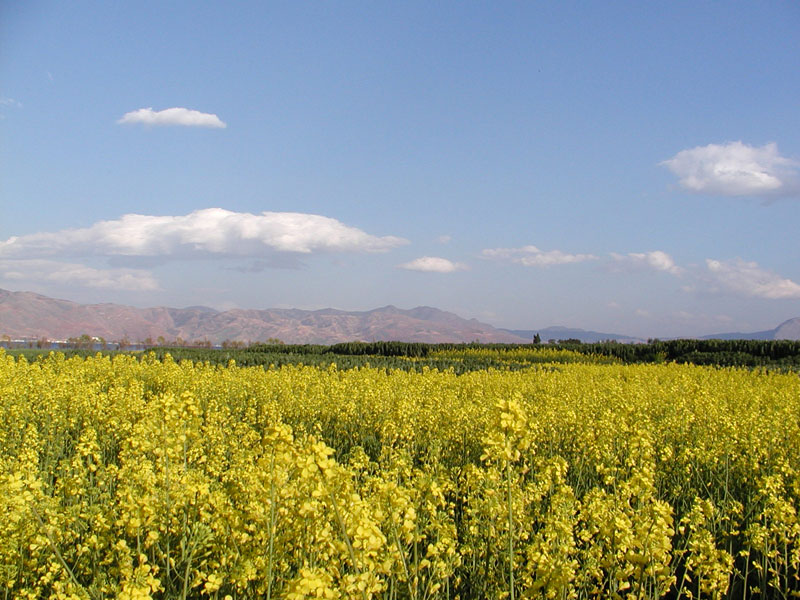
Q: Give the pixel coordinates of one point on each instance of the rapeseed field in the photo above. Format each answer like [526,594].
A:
[142,478]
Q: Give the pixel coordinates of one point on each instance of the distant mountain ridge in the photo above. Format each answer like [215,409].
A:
[788,330]
[33,316]
[30,315]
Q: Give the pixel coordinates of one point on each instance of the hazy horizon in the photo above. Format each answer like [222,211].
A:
[531,329]
[627,168]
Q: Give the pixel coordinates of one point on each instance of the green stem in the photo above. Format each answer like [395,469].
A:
[53,547]
[402,554]
[271,524]
[510,532]
[346,538]
[188,569]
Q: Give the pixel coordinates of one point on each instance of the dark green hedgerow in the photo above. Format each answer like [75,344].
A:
[773,354]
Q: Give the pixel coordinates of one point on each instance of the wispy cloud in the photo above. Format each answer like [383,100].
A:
[736,169]
[531,256]
[6,102]
[737,277]
[173,116]
[203,233]
[748,279]
[729,277]
[77,274]
[656,260]
[433,264]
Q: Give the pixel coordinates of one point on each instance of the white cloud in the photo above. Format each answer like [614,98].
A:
[203,233]
[748,279]
[531,256]
[736,169]
[444,239]
[76,274]
[433,264]
[656,260]
[172,116]
[733,276]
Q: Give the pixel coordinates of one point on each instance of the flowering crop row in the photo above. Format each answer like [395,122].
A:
[155,479]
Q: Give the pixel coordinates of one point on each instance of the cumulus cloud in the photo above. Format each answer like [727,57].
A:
[76,274]
[736,169]
[433,264]
[656,260]
[531,256]
[748,279]
[203,233]
[172,116]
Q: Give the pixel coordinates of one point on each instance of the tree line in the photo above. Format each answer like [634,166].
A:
[723,353]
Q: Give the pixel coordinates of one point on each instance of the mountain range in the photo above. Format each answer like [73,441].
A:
[33,316]
[788,330]
[29,315]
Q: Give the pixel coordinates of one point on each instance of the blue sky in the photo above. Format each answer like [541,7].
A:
[627,167]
